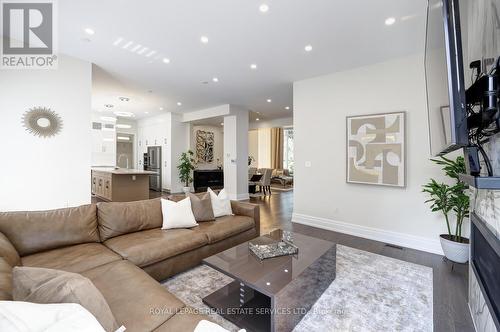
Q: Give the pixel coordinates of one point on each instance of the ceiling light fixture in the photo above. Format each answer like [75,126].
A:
[308,48]
[89,31]
[179,103]
[123,126]
[124,98]
[161,108]
[257,119]
[166,60]
[135,48]
[127,45]
[146,112]
[215,79]
[390,21]
[117,41]
[108,118]
[264,8]
[269,100]
[253,66]
[204,39]
[287,108]
[124,114]
[222,123]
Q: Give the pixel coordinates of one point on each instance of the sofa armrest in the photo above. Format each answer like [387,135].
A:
[248,210]
[8,251]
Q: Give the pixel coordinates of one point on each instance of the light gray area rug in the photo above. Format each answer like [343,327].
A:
[370,293]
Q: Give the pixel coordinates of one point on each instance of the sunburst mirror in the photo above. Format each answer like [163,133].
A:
[42,122]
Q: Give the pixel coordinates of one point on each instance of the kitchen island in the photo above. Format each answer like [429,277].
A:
[120,184]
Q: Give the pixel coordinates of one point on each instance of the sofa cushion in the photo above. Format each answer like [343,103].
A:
[5,280]
[72,259]
[224,227]
[137,301]
[154,245]
[118,218]
[32,232]
[38,285]
[8,252]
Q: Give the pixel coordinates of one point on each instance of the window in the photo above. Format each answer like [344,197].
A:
[288,161]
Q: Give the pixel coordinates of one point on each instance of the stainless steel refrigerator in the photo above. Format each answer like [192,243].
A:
[152,162]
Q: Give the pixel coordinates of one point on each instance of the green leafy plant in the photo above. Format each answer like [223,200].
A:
[185,167]
[446,198]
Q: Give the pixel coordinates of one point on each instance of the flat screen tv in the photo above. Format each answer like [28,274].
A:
[445,78]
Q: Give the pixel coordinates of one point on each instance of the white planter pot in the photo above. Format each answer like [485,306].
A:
[454,251]
[186,189]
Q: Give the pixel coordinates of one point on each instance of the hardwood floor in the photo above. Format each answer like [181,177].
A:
[451,312]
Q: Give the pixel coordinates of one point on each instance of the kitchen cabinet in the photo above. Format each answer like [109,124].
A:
[120,185]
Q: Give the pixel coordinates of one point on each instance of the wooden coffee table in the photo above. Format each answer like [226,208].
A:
[272,294]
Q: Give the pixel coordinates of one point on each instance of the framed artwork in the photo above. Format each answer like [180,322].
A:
[204,147]
[376,151]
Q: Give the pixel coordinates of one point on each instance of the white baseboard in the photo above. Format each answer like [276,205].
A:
[377,234]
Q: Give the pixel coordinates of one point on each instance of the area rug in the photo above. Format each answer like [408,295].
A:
[370,293]
[279,187]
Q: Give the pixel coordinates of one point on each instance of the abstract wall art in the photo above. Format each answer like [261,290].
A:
[376,149]
[204,146]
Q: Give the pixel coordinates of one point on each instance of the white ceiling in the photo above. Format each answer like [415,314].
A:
[344,34]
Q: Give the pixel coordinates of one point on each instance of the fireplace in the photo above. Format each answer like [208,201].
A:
[485,263]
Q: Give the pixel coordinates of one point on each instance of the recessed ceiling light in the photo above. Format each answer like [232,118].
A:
[166,60]
[146,112]
[222,123]
[269,100]
[215,79]
[124,98]
[253,66]
[108,118]
[390,21]
[123,126]
[308,48]
[118,41]
[257,119]
[204,39]
[287,108]
[89,31]
[161,108]
[124,114]
[179,103]
[264,8]
[108,105]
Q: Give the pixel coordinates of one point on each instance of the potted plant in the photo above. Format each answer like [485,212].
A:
[451,199]
[185,168]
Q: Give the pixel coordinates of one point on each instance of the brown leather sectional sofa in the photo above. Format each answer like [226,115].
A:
[114,244]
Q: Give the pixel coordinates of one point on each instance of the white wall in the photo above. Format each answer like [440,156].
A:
[322,196]
[218,145]
[46,173]
[253,147]
[264,146]
[280,122]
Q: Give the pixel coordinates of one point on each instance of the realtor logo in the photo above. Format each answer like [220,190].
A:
[28,34]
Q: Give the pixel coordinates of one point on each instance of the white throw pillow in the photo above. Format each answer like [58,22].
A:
[220,203]
[177,214]
[206,326]
[18,316]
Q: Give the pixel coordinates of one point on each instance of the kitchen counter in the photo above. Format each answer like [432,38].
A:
[120,184]
[122,171]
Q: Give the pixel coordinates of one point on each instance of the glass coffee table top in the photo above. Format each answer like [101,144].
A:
[271,275]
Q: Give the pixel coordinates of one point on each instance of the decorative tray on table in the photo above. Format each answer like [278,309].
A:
[277,249]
